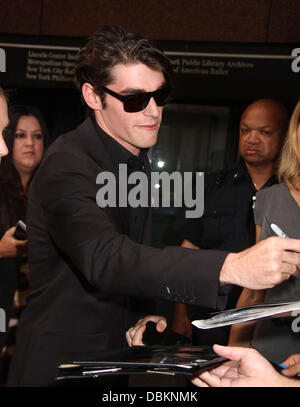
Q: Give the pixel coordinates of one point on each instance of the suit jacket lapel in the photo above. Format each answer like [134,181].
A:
[95,149]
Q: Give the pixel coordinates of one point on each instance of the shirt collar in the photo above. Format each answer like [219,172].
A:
[242,173]
[118,153]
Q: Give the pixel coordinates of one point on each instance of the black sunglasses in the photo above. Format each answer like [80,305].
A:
[138,101]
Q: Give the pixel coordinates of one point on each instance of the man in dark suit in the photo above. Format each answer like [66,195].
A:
[87,261]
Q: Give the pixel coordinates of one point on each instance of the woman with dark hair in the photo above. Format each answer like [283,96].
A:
[25,137]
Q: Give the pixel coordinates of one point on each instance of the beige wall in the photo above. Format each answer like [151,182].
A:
[199,20]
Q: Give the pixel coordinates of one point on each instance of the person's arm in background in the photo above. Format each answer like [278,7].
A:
[250,370]
[241,334]
[181,323]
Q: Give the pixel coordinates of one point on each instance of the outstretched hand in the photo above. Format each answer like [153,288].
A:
[249,369]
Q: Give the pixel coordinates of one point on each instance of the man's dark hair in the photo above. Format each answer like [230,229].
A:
[114,45]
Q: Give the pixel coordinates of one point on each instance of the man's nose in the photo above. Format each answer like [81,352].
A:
[151,109]
[253,137]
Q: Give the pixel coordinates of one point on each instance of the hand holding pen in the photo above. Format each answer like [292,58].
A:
[276,229]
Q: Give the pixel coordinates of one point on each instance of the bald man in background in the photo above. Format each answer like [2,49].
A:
[228,222]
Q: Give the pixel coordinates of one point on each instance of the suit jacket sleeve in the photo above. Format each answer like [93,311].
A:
[87,236]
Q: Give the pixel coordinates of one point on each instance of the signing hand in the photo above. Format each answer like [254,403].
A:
[263,265]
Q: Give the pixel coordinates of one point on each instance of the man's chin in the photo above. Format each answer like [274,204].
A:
[255,161]
[148,142]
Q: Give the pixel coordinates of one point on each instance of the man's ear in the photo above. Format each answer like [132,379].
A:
[92,99]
